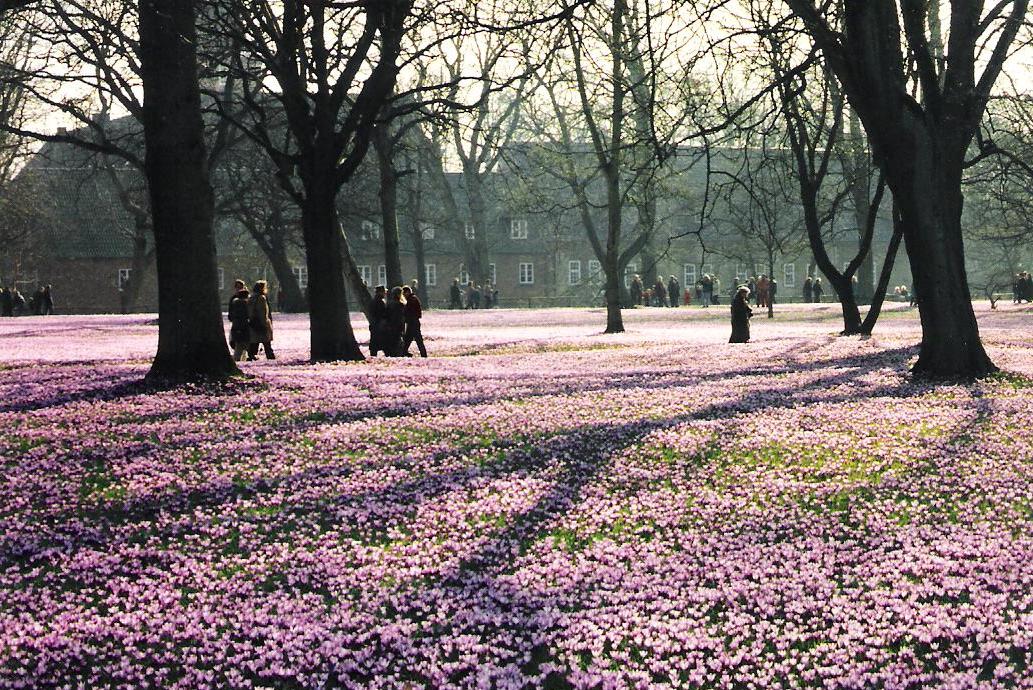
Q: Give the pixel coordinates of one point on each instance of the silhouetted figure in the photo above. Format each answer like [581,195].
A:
[817,290]
[6,302]
[707,288]
[673,291]
[377,314]
[659,293]
[394,323]
[240,321]
[260,321]
[48,300]
[741,314]
[455,295]
[18,303]
[413,314]
[808,290]
[636,290]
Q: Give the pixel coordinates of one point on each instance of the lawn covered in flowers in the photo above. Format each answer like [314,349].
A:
[537,505]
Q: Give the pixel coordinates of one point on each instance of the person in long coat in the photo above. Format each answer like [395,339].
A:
[817,289]
[393,324]
[741,314]
[413,314]
[673,291]
[377,314]
[260,321]
[636,290]
[808,291]
[239,316]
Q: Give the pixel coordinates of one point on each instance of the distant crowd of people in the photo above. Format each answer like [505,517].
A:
[1022,288]
[14,303]
[473,297]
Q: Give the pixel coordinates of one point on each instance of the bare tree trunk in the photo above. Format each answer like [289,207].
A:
[332,337]
[884,276]
[928,192]
[388,204]
[191,339]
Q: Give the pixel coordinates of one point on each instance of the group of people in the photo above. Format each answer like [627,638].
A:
[251,321]
[475,296]
[394,322]
[661,294]
[1022,288]
[14,303]
[812,289]
[763,289]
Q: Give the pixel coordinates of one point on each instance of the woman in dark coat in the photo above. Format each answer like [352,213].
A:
[260,321]
[393,324]
[741,314]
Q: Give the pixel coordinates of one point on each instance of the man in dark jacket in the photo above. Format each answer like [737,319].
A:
[237,313]
[636,290]
[455,295]
[377,315]
[48,300]
[673,291]
[413,314]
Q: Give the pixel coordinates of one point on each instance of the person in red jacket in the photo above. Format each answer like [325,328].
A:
[413,314]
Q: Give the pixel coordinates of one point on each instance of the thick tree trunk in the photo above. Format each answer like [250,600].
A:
[478,262]
[388,205]
[884,278]
[332,337]
[614,318]
[191,339]
[844,288]
[141,263]
[927,188]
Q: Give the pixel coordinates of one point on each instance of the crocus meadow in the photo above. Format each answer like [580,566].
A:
[536,505]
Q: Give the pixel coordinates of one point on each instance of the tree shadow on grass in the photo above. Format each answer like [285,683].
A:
[96,528]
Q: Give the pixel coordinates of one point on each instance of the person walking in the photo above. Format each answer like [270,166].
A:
[636,290]
[455,295]
[707,284]
[772,291]
[413,314]
[659,293]
[48,300]
[6,303]
[817,290]
[673,291]
[808,289]
[239,318]
[377,314]
[741,314]
[394,323]
[260,322]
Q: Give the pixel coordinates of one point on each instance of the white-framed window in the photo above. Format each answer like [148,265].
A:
[706,269]
[124,275]
[260,273]
[430,275]
[370,230]
[574,272]
[366,274]
[629,272]
[518,229]
[595,269]
[491,273]
[527,274]
[760,270]
[428,231]
[469,231]
[301,273]
[222,278]
[740,272]
[464,275]
[789,275]
[382,275]
[689,275]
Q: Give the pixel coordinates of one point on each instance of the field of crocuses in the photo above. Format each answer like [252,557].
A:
[536,506]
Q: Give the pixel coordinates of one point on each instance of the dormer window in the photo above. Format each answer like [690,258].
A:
[370,230]
[428,231]
[518,229]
